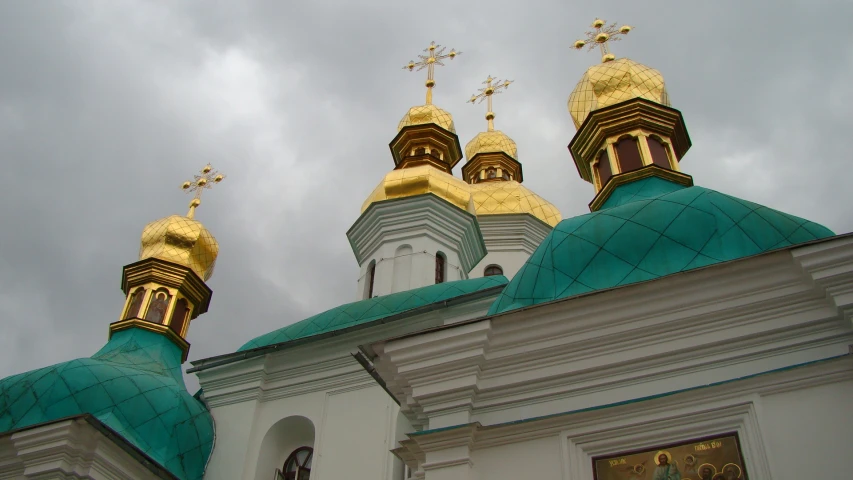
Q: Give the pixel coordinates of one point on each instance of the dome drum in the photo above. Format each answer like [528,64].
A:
[492,167]
[427,139]
[659,133]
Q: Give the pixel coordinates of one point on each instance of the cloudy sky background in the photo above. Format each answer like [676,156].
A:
[106,107]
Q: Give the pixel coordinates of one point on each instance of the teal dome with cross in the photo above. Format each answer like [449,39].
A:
[647,229]
[134,386]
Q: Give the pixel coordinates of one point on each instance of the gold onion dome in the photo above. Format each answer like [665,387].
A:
[428,113]
[508,197]
[613,82]
[180,240]
[408,182]
[494,141]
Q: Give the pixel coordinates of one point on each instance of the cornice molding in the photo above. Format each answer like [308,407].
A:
[426,214]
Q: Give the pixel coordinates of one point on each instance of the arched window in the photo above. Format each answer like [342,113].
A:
[420,151]
[298,465]
[158,306]
[135,303]
[658,151]
[628,154]
[371,275]
[434,153]
[493,270]
[179,316]
[440,262]
[491,173]
[602,167]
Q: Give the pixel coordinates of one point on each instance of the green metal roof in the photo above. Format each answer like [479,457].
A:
[364,311]
[134,386]
[648,229]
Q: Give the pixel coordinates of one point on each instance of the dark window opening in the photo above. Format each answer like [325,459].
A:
[659,155]
[603,168]
[439,268]
[491,173]
[371,274]
[628,154]
[179,316]
[493,270]
[420,151]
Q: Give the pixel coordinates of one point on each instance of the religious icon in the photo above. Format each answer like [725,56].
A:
[665,469]
[157,308]
[714,458]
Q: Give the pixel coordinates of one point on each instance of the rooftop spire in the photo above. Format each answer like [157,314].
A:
[434,55]
[207,179]
[601,36]
[486,93]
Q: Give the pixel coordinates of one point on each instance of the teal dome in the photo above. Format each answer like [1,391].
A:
[645,230]
[374,309]
[134,386]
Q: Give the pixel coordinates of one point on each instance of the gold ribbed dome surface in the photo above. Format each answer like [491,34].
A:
[427,114]
[612,82]
[491,142]
[180,240]
[494,198]
[408,182]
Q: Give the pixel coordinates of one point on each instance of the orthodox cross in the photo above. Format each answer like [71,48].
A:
[486,93]
[601,36]
[434,55]
[206,179]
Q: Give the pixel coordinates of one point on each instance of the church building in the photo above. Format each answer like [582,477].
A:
[674,332]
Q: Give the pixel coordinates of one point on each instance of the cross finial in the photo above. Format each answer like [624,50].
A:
[208,176]
[601,36]
[434,55]
[486,93]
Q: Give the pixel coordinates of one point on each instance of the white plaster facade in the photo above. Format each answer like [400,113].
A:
[759,346]
[510,240]
[73,448]
[402,237]
[316,394]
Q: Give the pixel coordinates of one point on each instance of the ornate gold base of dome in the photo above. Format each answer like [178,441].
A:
[639,118]
[152,327]
[628,177]
[488,167]
[429,138]
[170,275]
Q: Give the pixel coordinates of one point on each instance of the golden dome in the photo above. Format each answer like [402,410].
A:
[613,82]
[180,240]
[427,114]
[408,182]
[496,198]
[491,142]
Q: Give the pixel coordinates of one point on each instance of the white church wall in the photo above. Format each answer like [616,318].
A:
[510,240]
[539,459]
[284,437]
[233,428]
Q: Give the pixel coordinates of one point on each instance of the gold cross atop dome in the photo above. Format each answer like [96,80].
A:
[601,36]
[434,55]
[486,93]
[207,178]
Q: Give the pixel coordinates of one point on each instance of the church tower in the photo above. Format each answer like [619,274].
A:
[418,227]
[626,127]
[166,288]
[513,219]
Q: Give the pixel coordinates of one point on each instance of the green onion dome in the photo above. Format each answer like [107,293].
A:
[134,386]
[648,229]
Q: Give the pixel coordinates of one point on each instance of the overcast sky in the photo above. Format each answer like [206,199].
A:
[107,107]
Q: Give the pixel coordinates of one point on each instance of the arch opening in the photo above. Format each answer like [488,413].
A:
[283,439]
